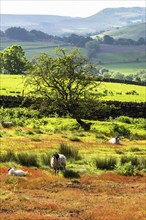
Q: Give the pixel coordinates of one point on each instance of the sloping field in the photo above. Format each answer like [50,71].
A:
[131,32]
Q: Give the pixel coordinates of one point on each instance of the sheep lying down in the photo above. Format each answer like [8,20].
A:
[12,171]
[115,140]
[58,161]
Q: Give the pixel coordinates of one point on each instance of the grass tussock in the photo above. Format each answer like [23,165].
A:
[106,163]
[69,152]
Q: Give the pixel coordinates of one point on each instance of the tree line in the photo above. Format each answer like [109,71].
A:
[18,33]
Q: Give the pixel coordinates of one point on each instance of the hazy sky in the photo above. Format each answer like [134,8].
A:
[75,8]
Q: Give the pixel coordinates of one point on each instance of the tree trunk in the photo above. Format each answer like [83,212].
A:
[84,125]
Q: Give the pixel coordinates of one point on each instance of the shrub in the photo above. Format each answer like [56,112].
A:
[26,159]
[127,169]
[130,158]
[121,130]
[69,152]
[19,132]
[124,119]
[70,174]
[107,163]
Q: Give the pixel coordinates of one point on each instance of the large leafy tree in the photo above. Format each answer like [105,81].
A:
[14,60]
[63,82]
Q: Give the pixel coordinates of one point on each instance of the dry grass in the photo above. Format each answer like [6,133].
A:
[95,196]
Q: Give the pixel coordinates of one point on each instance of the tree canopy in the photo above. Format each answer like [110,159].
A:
[64,82]
[13,60]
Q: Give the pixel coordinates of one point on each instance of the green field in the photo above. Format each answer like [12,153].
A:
[14,85]
[33,49]
[127,68]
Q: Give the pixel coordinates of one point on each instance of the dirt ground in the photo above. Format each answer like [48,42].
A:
[42,196]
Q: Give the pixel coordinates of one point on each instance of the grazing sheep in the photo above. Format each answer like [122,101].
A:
[58,161]
[115,140]
[12,171]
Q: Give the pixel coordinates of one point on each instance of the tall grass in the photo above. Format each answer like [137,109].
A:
[69,152]
[106,163]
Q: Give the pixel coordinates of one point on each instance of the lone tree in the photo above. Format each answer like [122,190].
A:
[64,83]
[14,60]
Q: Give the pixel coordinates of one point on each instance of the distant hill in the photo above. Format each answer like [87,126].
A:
[104,20]
[133,32]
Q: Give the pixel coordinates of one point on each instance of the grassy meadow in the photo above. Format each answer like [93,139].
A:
[127,68]
[97,172]
[101,180]
[14,85]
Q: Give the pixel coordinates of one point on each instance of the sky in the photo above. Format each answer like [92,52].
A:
[72,8]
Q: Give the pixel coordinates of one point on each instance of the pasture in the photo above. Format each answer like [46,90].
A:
[84,191]
[14,85]
[129,56]
[126,68]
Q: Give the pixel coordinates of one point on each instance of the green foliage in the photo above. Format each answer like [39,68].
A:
[70,174]
[14,60]
[69,152]
[45,159]
[125,119]
[121,130]
[8,156]
[127,169]
[107,163]
[74,138]
[63,82]
[28,159]
[130,158]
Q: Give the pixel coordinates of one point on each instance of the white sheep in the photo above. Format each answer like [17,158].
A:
[115,140]
[58,161]
[12,171]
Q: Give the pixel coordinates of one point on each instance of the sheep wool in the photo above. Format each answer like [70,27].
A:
[115,140]
[12,171]
[58,161]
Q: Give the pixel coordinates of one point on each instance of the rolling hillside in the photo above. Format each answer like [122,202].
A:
[58,25]
[131,32]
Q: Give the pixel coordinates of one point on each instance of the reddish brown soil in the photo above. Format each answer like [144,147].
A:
[42,196]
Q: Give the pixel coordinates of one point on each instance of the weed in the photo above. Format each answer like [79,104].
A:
[107,163]
[130,158]
[28,159]
[121,130]
[127,169]
[45,159]
[23,198]
[74,138]
[37,139]
[8,156]
[69,152]
[70,174]
[134,149]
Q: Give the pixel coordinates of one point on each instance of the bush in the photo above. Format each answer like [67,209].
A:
[70,174]
[124,119]
[121,130]
[129,158]
[127,169]
[107,163]
[26,159]
[69,152]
